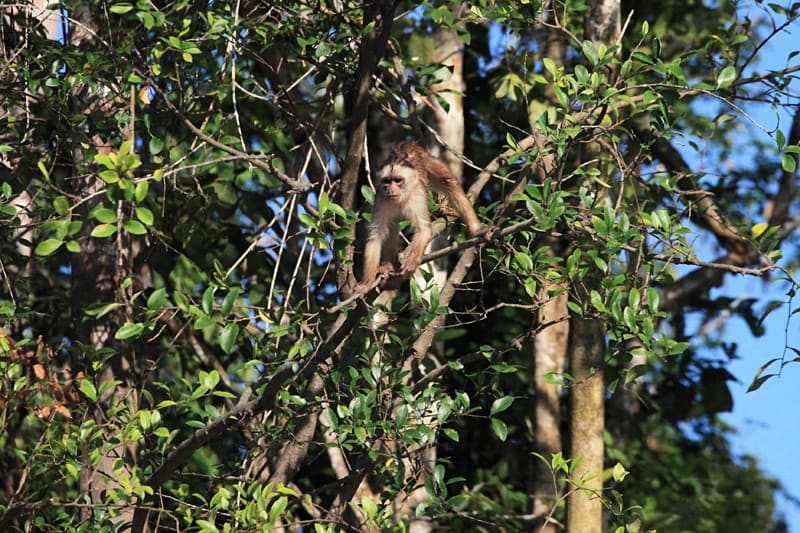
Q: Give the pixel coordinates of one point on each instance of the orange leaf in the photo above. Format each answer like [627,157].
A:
[62,410]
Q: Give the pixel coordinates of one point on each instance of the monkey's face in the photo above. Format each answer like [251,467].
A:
[395,180]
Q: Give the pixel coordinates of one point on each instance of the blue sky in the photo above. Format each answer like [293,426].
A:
[768,419]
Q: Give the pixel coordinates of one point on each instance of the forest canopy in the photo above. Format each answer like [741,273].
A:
[185,193]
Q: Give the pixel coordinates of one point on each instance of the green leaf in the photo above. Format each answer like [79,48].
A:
[760,377]
[207,301]
[277,509]
[210,380]
[144,215]
[121,9]
[140,191]
[205,525]
[789,163]
[102,309]
[134,227]
[105,215]
[104,230]
[780,139]
[230,299]
[61,205]
[793,149]
[550,66]
[203,322]
[48,246]
[501,404]
[678,348]
[109,176]
[726,77]
[368,194]
[156,299]
[181,300]
[401,415]
[619,472]
[129,330]
[590,51]
[443,413]
[597,301]
[43,170]
[227,337]
[451,433]
[88,389]
[500,429]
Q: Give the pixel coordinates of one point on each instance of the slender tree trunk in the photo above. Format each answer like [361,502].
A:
[550,348]
[98,272]
[587,348]
[587,417]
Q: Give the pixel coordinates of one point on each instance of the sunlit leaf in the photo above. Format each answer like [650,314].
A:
[726,77]
[500,429]
[103,230]
[129,330]
[501,404]
[758,229]
[227,338]
[48,246]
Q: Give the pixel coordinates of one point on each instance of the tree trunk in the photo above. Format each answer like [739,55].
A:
[98,272]
[587,348]
[587,416]
[549,348]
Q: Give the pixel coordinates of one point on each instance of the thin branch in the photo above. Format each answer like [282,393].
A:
[261,161]
[706,209]
[299,369]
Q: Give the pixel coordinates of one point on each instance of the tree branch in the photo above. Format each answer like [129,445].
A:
[246,409]
[708,214]
[777,210]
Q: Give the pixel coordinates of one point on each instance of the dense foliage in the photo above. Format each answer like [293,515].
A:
[183,190]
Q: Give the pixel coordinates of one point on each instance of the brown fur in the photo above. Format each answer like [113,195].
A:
[408,174]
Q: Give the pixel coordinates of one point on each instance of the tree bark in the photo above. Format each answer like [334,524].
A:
[549,349]
[587,417]
[587,348]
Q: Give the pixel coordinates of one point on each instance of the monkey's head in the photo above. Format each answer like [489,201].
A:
[396,181]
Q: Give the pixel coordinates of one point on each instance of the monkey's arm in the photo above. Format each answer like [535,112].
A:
[372,256]
[442,180]
[423,232]
[380,252]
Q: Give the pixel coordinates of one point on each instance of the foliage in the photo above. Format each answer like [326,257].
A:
[178,245]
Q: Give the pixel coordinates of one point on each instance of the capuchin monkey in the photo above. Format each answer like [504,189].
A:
[405,179]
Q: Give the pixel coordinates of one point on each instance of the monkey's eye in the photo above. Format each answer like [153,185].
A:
[392,179]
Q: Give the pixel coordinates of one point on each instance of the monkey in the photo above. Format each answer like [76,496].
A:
[408,174]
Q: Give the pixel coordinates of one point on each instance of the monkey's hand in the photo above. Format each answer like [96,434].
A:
[411,263]
[385,271]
